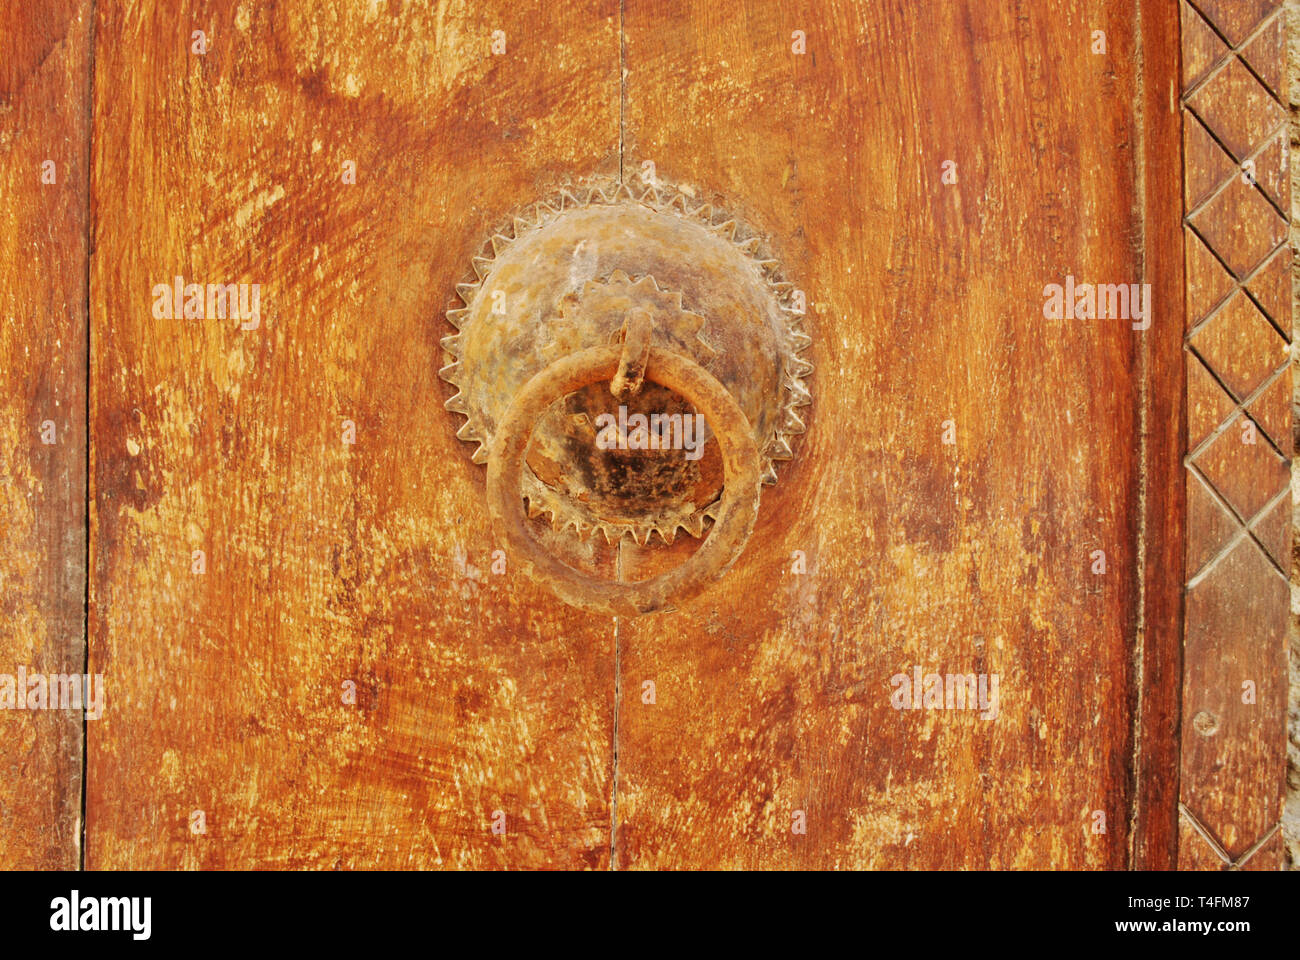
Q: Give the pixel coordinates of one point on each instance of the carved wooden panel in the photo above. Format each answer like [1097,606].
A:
[1238,308]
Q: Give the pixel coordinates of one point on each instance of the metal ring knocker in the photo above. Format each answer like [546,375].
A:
[739,506]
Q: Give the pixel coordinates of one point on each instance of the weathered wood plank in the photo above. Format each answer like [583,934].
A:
[326,562]
[1156,692]
[44,72]
[773,692]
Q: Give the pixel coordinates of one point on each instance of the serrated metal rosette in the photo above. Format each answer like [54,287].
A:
[563,276]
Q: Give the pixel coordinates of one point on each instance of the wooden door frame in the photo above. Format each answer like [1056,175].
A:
[1209,770]
[1157,673]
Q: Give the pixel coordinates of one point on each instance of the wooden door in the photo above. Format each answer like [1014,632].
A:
[316,654]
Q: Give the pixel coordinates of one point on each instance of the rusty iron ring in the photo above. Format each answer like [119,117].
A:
[738,509]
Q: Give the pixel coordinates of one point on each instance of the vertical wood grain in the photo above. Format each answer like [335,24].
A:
[44,72]
[773,692]
[1156,690]
[326,562]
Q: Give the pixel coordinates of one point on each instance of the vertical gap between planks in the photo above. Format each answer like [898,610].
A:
[622,92]
[618,704]
[618,554]
[85,606]
[1144,370]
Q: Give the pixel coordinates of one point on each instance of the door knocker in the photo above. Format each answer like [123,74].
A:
[628,364]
